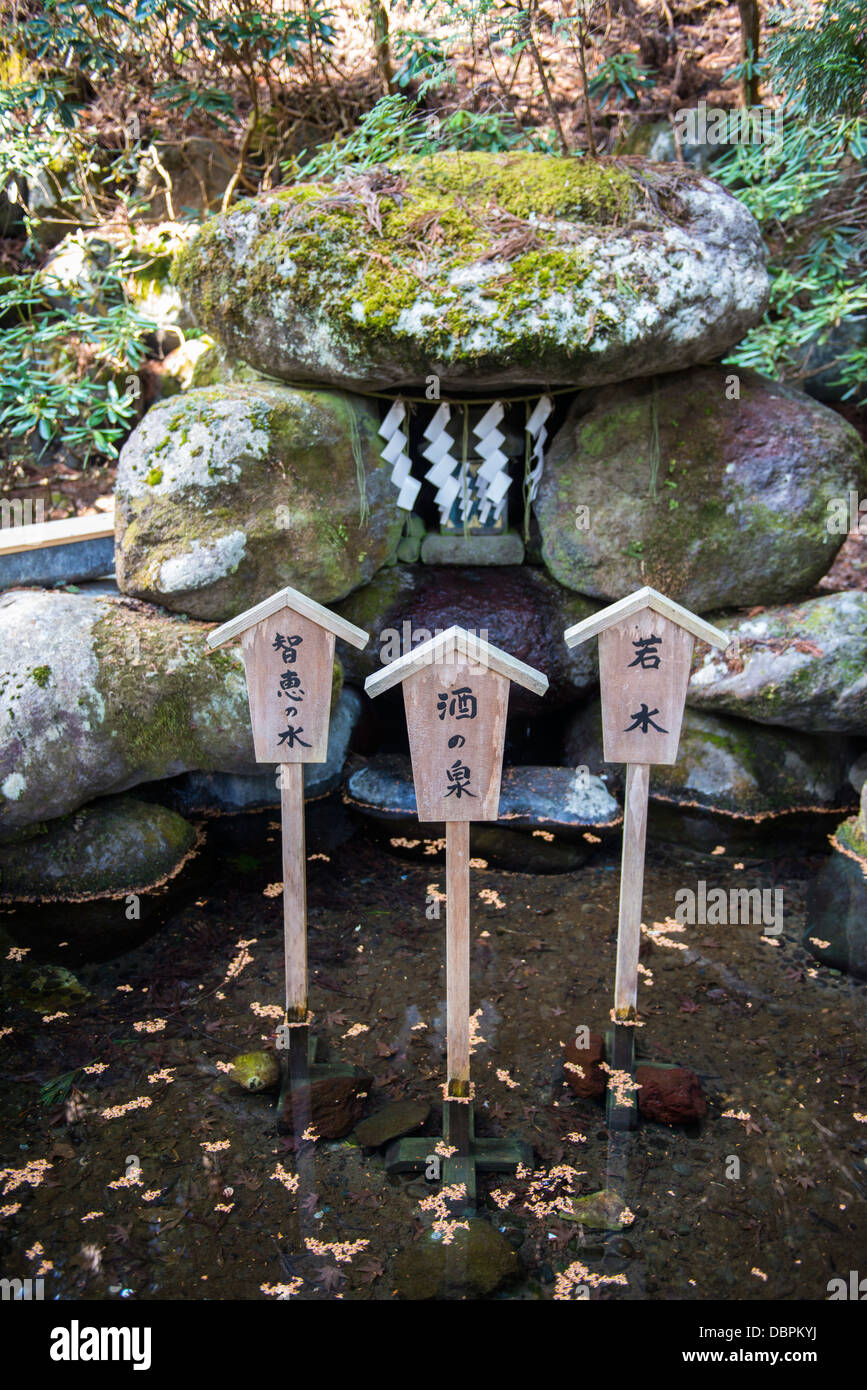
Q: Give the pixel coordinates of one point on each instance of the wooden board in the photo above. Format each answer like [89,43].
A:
[297,603]
[14,539]
[294,892]
[456,719]
[631,889]
[645,598]
[456,641]
[289,662]
[644,663]
[458,955]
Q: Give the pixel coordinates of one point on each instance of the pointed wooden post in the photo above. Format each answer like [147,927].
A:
[287,643]
[645,653]
[456,695]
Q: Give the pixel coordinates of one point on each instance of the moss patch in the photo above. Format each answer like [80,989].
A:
[156,720]
[375,255]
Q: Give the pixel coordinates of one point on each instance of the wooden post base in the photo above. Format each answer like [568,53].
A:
[299,1071]
[473,1155]
[620,1054]
[620,1051]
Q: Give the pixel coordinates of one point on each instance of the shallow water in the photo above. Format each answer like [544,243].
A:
[776,1039]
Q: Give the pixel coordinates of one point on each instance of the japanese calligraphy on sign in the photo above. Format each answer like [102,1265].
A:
[456,719]
[288,661]
[644,663]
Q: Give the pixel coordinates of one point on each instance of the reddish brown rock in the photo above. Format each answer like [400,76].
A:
[333,1102]
[522,610]
[582,1067]
[670,1095]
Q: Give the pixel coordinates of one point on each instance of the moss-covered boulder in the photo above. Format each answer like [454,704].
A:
[516,607]
[108,849]
[714,500]
[802,665]
[228,792]
[229,492]
[734,782]
[485,269]
[98,695]
[476,1260]
[836,931]
[214,367]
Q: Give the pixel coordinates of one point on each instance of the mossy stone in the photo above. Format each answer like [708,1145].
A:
[730,766]
[110,848]
[713,500]
[476,1261]
[491,269]
[229,492]
[802,666]
[134,695]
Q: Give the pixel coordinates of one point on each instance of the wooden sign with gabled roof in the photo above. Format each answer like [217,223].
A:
[645,654]
[456,695]
[288,648]
[287,642]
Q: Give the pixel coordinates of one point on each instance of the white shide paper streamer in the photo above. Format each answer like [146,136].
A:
[396,452]
[538,433]
[442,463]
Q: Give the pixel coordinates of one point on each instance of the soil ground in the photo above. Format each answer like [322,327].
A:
[776,1040]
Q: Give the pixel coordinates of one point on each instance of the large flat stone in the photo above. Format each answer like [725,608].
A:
[482,269]
[507,549]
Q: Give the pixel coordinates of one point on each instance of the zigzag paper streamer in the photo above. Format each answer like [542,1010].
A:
[492,480]
[396,452]
[443,463]
[536,430]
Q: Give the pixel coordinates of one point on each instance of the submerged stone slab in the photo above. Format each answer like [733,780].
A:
[550,817]
[392,1122]
[477,1260]
[482,269]
[836,931]
[530,797]
[112,847]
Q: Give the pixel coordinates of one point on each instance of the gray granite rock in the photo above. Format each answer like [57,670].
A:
[484,269]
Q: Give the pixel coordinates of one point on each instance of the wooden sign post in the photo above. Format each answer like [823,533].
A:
[645,653]
[456,695]
[287,643]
